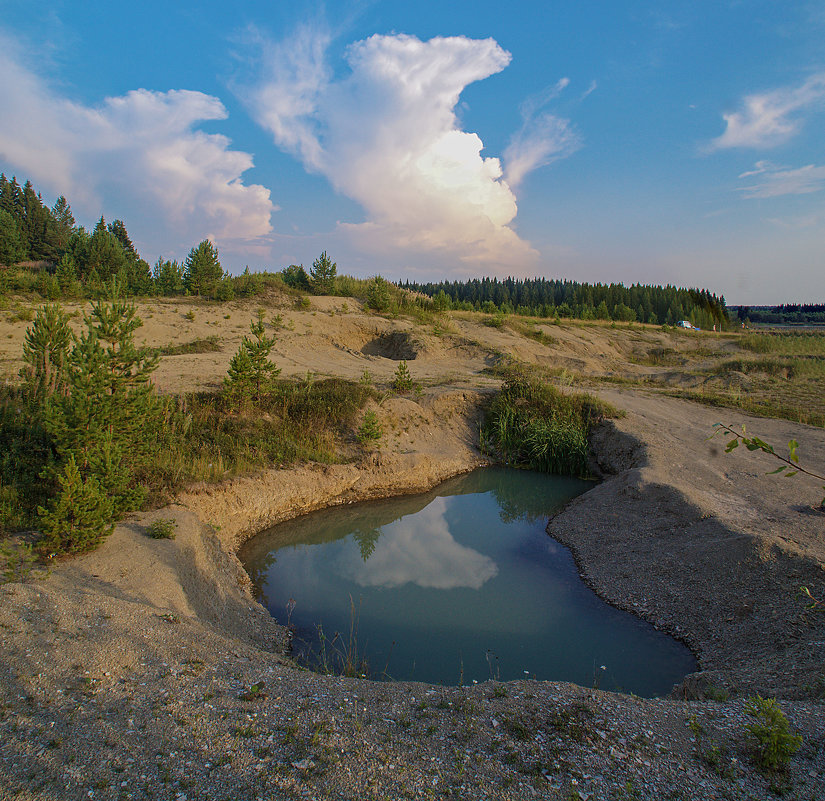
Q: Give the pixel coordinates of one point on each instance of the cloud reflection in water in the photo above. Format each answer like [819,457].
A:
[419,549]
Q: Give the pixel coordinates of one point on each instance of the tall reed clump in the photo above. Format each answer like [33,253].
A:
[533,424]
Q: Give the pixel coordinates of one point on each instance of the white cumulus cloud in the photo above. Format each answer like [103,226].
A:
[138,156]
[771,118]
[386,135]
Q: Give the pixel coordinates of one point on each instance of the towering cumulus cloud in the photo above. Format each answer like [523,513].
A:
[386,135]
[138,155]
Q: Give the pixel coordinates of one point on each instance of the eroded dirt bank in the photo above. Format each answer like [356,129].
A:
[129,673]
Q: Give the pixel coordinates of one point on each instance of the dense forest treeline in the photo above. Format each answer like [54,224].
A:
[784,314]
[63,260]
[543,297]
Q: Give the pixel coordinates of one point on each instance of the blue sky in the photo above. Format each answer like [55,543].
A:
[613,141]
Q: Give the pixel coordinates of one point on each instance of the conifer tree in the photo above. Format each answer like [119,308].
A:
[66,274]
[107,414]
[106,255]
[168,277]
[250,370]
[78,517]
[322,275]
[12,243]
[45,352]
[202,269]
[63,222]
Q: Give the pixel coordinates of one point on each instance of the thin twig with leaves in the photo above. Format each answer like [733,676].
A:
[790,466]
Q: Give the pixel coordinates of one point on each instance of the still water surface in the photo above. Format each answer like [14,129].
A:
[460,584]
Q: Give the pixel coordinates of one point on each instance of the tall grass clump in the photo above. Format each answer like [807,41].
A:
[205,437]
[533,424]
[810,343]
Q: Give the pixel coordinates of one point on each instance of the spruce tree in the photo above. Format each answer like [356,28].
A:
[63,222]
[12,242]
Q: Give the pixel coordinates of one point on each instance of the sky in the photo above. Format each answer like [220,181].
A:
[666,143]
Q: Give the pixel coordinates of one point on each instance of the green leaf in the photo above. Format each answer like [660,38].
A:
[778,470]
[760,443]
[734,443]
[792,446]
[792,473]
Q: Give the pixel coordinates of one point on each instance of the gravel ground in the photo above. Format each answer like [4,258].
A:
[145,670]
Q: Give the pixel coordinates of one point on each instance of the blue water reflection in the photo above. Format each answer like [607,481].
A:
[460,584]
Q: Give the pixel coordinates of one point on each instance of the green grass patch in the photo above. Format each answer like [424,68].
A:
[205,439]
[752,403]
[533,424]
[792,344]
[210,344]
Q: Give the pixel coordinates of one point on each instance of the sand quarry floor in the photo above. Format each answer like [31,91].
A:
[129,672]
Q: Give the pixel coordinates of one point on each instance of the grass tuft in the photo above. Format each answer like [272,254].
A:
[210,344]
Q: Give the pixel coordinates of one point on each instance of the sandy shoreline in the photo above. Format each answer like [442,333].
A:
[126,672]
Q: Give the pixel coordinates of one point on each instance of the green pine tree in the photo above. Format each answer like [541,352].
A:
[167,277]
[108,412]
[202,269]
[45,353]
[78,517]
[250,371]
[238,381]
[322,275]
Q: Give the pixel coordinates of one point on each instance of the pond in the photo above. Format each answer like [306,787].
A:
[458,585]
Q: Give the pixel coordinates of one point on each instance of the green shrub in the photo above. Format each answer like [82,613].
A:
[162,529]
[370,430]
[533,424]
[211,344]
[79,517]
[402,380]
[771,734]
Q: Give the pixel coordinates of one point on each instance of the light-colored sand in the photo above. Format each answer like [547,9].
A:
[124,672]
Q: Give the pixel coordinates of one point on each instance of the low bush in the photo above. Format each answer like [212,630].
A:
[370,430]
[162,529]
[773,742]
[536,425]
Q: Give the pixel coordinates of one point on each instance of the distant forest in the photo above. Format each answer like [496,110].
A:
[59,259]
[786,314]
[542,297]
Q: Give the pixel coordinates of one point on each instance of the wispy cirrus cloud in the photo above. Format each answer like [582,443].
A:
[387,136]
[773,181]
[771,118]
[543,137]
[139,156]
